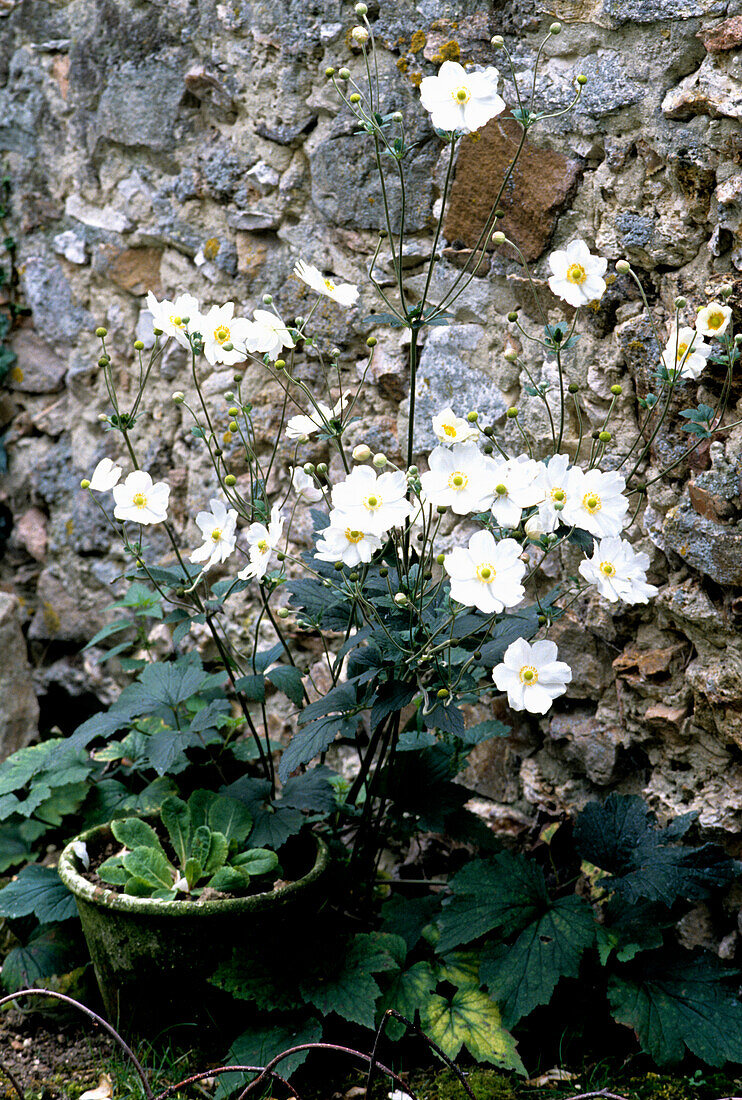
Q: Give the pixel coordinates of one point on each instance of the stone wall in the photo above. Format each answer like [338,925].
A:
[195,145]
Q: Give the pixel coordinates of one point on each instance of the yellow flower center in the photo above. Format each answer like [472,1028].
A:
[221,334]
[528,675]
[592,502]
[176,321]
[372,501]
[501,490]
[682,348]
[714,319]
[457,480]
[462,95]
[330,285]
[607,568]
[486,572]
[263,546]
[576,274]
[449,430]
[353,536]
[216,534]
[139,500]
[558,495]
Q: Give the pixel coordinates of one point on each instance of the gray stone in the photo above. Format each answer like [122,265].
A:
[608,87]
[37,368]
[446,377]
[55,312]
[72,247]
[139,104]
[713,90]
[636,230]
[67,610]
[713,549]
[658,11]
[22,104]
[346,188]
[263,177]
[19,713]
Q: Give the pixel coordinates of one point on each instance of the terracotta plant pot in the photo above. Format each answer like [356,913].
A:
[153,959]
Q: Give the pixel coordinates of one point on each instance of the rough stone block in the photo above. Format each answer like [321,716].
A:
[37,368]
[19,712]
[139,104]
[446,378]
[542,182]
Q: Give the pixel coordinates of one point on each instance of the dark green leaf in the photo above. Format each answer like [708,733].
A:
[311,791]
[16,842]
[288,679]
[351,991]
[260,1046]
[311,740]
[524,974]
[390,697]
[252,687]
[645,861]
[37,890]
[112,870]
[151,867]
[230,880]
[256,861]
[678,1003]
[406,917]
[176,818]
[221,813]
[483,731]
[505,893]
[135,833]
[273,827]
[409,993]
[50,951]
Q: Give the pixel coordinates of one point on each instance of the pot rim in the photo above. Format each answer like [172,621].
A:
[86,891]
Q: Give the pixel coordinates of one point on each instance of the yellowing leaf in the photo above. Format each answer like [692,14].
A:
[471,1019]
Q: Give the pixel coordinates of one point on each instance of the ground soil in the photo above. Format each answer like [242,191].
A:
[49,1058]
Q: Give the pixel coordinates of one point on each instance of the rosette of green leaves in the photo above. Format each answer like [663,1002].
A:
[207,834]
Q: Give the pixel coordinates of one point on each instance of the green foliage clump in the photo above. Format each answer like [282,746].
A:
[206,834]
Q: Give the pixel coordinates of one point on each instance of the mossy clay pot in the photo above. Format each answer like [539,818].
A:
[153,959]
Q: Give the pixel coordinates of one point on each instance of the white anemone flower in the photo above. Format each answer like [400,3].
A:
[345,294]
[461,100]
[105,475]
[487,574]
[262,541]
[686,352]
[268,335]
[713,319]
[371,502]
[304,486]
[171,317]
[577,275]
[450,428]
[531,675]
[346,544]
[304,424]
[516,488]
[459,478]
[140,500]
[219,327]
[595,502]
[619,572]
[553,481]
[219,532]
